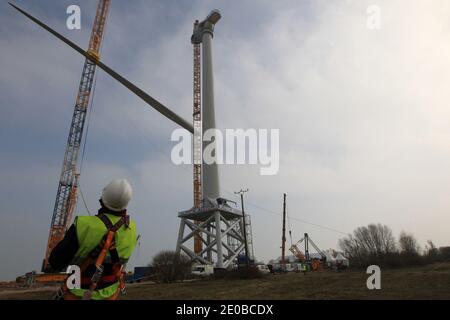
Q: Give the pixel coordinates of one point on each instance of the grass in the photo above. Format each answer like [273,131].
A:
[427,282]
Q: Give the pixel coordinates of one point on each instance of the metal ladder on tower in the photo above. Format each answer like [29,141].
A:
[66,195]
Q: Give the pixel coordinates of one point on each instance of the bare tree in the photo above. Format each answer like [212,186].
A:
[369,244]
[408,244]
[171,267]
[375,244]
[387,238]
[375,239]
[431,250]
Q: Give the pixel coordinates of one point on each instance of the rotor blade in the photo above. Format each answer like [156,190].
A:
[158,106]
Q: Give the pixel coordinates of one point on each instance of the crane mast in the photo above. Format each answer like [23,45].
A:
[68,183]
[197,115]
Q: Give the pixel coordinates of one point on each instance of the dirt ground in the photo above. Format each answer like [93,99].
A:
[428,282]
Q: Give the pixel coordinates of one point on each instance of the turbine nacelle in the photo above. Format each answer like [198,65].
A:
[206,25]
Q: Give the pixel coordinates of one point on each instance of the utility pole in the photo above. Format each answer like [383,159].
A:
[307,257]
[283,237]
[241,192]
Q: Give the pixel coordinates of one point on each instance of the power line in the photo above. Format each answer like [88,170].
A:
[293,218]
[289,224]
[247,202]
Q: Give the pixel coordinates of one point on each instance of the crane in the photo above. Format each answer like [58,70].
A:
[297,252]
[305,257]
[66,195]
[197,140]
[152,102]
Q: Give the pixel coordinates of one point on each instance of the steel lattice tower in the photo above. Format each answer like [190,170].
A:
[197,154]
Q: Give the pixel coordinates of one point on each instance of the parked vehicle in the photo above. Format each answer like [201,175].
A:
[263,268]
[291,267]
[139,274]
[202,270]
[301,267]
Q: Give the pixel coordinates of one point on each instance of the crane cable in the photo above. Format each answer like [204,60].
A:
[144,137]
[83,152]
[84,201]
[91,107]
[289,224]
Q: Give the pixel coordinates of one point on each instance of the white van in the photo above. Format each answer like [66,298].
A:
[202,270]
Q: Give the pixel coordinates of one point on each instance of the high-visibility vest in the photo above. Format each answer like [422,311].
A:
[90,232]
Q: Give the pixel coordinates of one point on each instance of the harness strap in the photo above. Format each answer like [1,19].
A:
[114,228]
[124,220]
[108,224]
[90,259]
[108,244]
[98,255]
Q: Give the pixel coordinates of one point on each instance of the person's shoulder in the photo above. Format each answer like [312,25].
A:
[85,218]
[131,222]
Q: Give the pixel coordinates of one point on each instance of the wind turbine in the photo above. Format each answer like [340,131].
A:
[218,224]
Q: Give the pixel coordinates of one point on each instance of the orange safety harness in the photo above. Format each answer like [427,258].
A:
[97,257]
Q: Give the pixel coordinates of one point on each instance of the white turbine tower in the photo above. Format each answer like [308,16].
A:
[218,225]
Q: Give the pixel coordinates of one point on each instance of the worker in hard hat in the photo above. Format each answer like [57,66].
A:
[100,245]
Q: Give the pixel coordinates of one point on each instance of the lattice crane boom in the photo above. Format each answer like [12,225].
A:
[68,183]
[197,117]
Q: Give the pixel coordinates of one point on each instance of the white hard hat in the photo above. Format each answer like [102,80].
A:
[117,194]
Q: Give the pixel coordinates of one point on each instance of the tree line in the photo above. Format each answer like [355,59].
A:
[376,244]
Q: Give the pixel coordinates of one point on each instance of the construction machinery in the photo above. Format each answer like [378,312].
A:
[66,195]
[31,279]
[314,263]
[197,140]
[283,235]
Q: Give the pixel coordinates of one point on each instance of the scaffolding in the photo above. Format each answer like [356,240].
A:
[220,229]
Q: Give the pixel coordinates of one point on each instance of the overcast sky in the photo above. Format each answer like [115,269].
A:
[363,117]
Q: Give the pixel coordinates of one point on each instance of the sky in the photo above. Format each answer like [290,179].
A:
[363,117]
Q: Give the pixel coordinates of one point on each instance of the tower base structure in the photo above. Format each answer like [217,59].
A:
[220,228]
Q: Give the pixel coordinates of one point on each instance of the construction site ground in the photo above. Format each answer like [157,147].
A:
[426,282]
